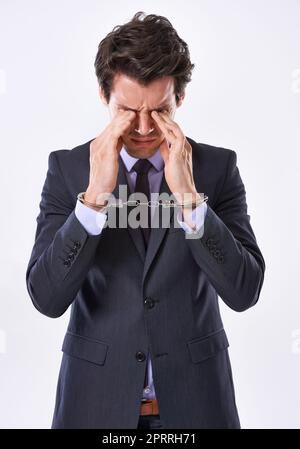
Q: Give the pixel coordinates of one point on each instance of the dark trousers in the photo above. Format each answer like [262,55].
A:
[149,422]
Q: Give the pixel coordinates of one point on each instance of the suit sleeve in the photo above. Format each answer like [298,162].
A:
[228,251]
[63,250]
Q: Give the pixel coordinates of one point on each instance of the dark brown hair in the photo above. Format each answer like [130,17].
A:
[144,50]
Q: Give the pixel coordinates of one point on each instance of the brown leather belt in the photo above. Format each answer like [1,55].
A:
[149,407]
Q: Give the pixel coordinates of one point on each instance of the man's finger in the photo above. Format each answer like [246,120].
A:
[162,125]
[169,124]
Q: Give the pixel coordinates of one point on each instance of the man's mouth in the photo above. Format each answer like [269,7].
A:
[142,140]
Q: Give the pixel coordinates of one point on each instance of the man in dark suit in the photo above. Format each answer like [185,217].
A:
[145,344]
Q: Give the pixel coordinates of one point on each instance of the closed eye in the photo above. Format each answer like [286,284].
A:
[157,110]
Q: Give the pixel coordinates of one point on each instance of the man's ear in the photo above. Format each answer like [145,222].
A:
[102,97]
[181,98]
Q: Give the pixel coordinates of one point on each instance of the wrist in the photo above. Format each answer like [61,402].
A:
[96,202]
[188,200]
[96,209]
[96,197]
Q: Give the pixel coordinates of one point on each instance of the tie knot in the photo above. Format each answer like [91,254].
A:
[142,166]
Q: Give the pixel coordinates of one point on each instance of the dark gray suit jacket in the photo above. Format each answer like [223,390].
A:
[125,301]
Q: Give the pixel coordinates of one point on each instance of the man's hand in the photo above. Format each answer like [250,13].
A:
[104,158]
[177,158]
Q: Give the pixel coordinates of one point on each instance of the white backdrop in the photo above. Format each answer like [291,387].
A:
[245,95]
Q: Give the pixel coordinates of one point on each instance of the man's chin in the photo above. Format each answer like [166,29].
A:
[141,152]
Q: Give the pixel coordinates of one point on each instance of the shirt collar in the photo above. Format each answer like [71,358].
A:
[129,161]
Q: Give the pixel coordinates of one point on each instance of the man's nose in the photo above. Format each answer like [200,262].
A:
[144,123]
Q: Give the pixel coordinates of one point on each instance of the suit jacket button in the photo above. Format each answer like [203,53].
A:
[140,356]
[149,303]
[67,263]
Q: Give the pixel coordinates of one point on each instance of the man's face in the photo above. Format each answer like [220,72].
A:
[126,94]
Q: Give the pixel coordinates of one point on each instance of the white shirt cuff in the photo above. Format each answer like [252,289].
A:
[92,221]
[197,217]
